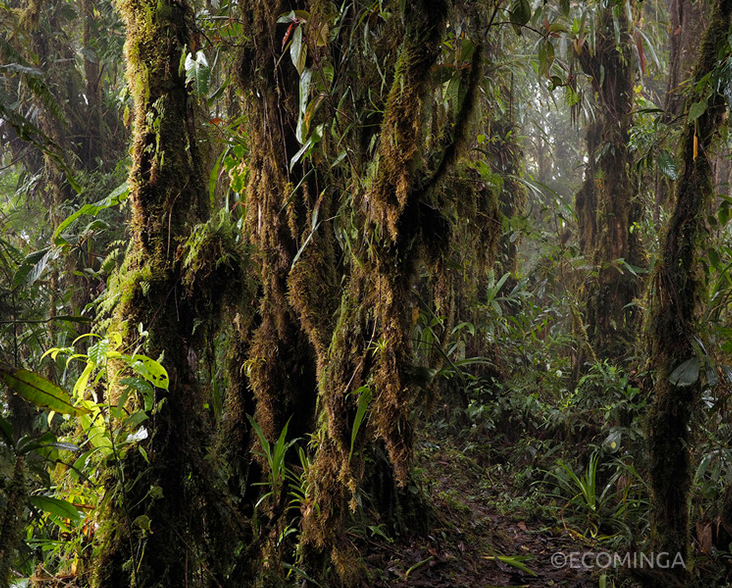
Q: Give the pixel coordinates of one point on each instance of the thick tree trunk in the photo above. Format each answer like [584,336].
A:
[168,197]
[339,239]
[674,293]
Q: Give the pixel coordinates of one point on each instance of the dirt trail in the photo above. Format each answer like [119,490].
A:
[471,543]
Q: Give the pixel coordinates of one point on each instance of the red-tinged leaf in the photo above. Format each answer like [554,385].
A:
[287,34]
[641,54]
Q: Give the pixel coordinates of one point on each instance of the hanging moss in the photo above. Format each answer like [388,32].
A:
[339,248]
[400,153]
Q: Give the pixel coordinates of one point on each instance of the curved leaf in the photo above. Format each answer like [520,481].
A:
[520,12]
[31,268]
[667,165]
[151,370]
[40,391]
[57,507]
[686,374]
[115,197]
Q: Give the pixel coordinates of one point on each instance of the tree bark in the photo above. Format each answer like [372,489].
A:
[168,198]
[606,233]
[674,292]
[687,25]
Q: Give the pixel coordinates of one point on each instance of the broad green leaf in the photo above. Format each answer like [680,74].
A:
[546,58]
[40,391]
[198,72]
[32,267]
[135,419]
[144,388]
[686,374]
[520,12]
[571,96]
[667,165]
[723,214]
[298,51]
[98,352]
[83,380]
[697,109]
[151,370]
[48,440]
[115,197]
[57,507]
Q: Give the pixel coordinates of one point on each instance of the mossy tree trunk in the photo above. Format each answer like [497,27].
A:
[605,204]
[168,198]
[674,293]
[341,234]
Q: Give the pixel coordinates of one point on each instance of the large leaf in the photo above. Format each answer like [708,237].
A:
[115,197]
[32,267]
[198,71]
[151,370]
[520,12]
[46,441]
[667,165]
[57,507]
[697,109]
[40,391]
[686,374]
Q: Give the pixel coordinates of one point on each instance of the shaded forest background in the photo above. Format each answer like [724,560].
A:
[268,268]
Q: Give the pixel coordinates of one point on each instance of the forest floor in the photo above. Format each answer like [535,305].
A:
[484,534]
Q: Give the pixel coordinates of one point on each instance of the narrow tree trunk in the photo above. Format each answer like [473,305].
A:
[687,24]
[610,186]
[674,293]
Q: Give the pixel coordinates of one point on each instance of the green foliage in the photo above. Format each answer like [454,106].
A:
[274,456]
[40,391]
[599,505]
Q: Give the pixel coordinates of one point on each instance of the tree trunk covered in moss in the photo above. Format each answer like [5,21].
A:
[674,292]
[11,519]
[340,234]
[168,198]
[507,159]
[606,233]
[586,197]
[282,372]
